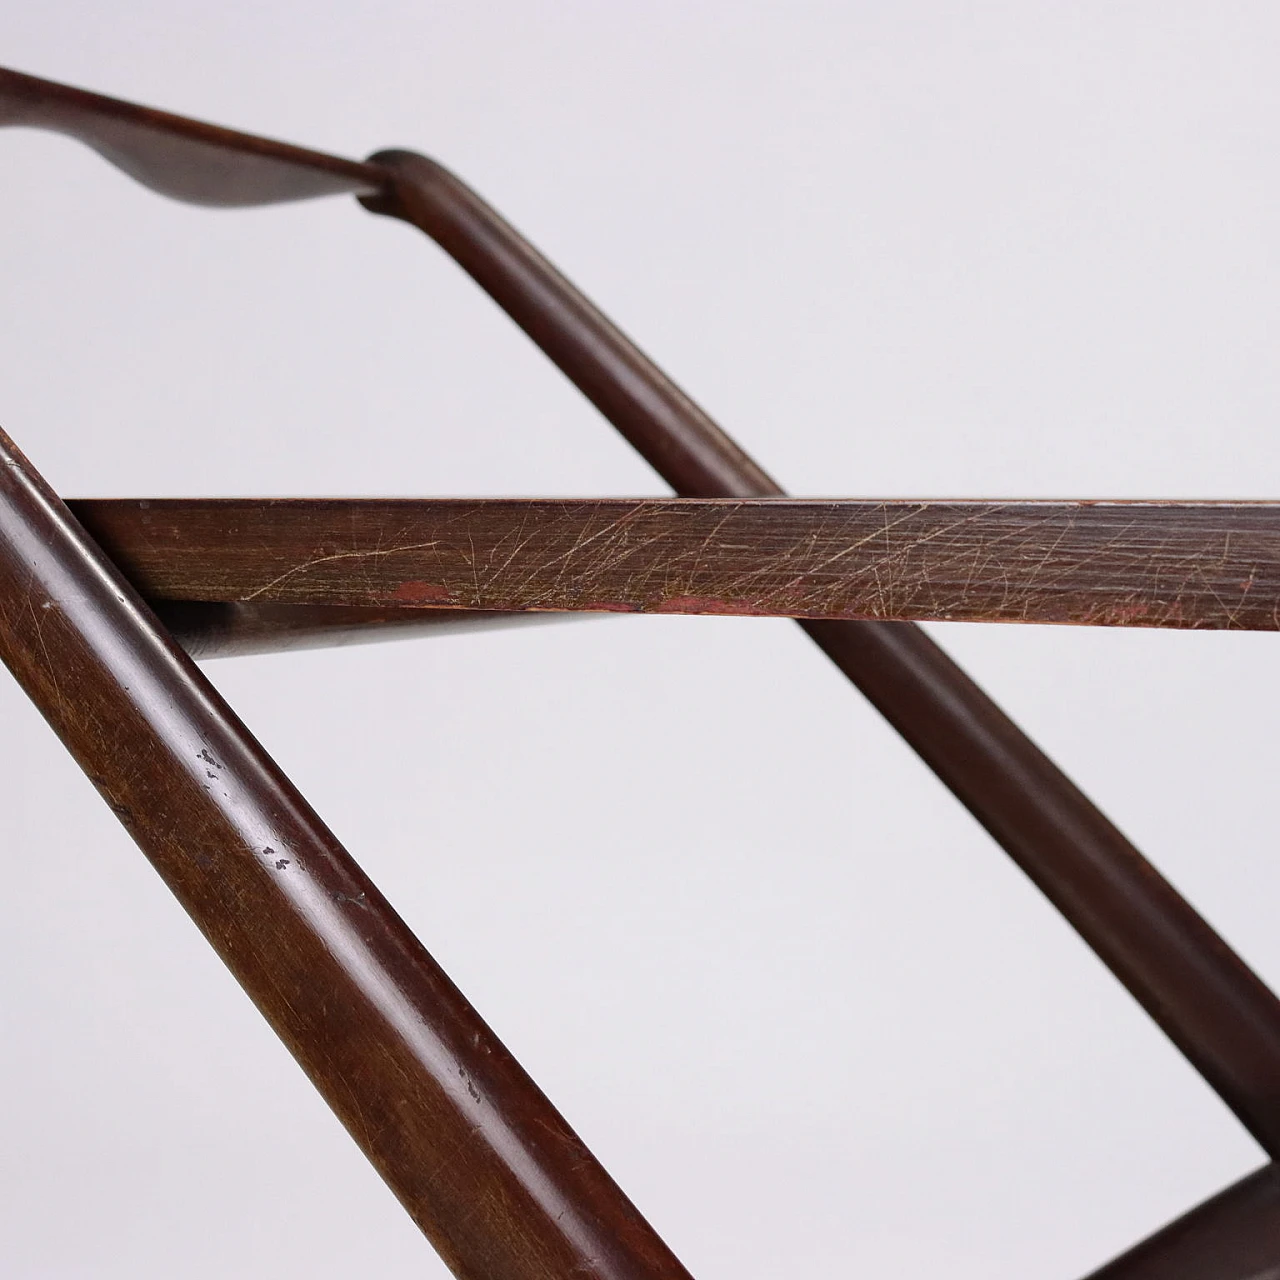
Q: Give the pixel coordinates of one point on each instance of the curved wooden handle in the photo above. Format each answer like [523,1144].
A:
[190,161]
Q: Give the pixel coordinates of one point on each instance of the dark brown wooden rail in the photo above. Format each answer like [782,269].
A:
[1210,1004]
[477,1155]
[1106,563]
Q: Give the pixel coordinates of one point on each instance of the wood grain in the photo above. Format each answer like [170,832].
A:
[1213,565]
[478,1156]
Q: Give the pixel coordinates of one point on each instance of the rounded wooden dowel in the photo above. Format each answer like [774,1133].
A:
[481,1160]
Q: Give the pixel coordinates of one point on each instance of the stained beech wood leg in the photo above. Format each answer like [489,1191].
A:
[1214,564]
[1209,1003]
[1234,1236]
[479,1158]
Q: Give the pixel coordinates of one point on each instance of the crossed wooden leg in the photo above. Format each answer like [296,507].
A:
[477,1155]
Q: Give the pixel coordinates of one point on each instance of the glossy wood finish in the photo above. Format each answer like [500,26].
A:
[1234,1236]
[185,159]
[481,1160]
[1209,1003]
[1102,563]
[219,629]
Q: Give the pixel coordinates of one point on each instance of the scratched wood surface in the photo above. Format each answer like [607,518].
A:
[1210,1004]
[1101,563]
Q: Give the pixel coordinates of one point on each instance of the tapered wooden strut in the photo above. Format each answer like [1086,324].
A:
[477,1155]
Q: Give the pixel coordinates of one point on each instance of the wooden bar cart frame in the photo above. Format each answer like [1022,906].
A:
[102,606]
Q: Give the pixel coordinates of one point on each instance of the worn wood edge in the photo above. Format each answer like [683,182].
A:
[1106,563]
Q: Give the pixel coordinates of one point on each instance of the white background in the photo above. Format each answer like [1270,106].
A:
[789,992]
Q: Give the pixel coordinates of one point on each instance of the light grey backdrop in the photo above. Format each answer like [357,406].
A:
[800,1005]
